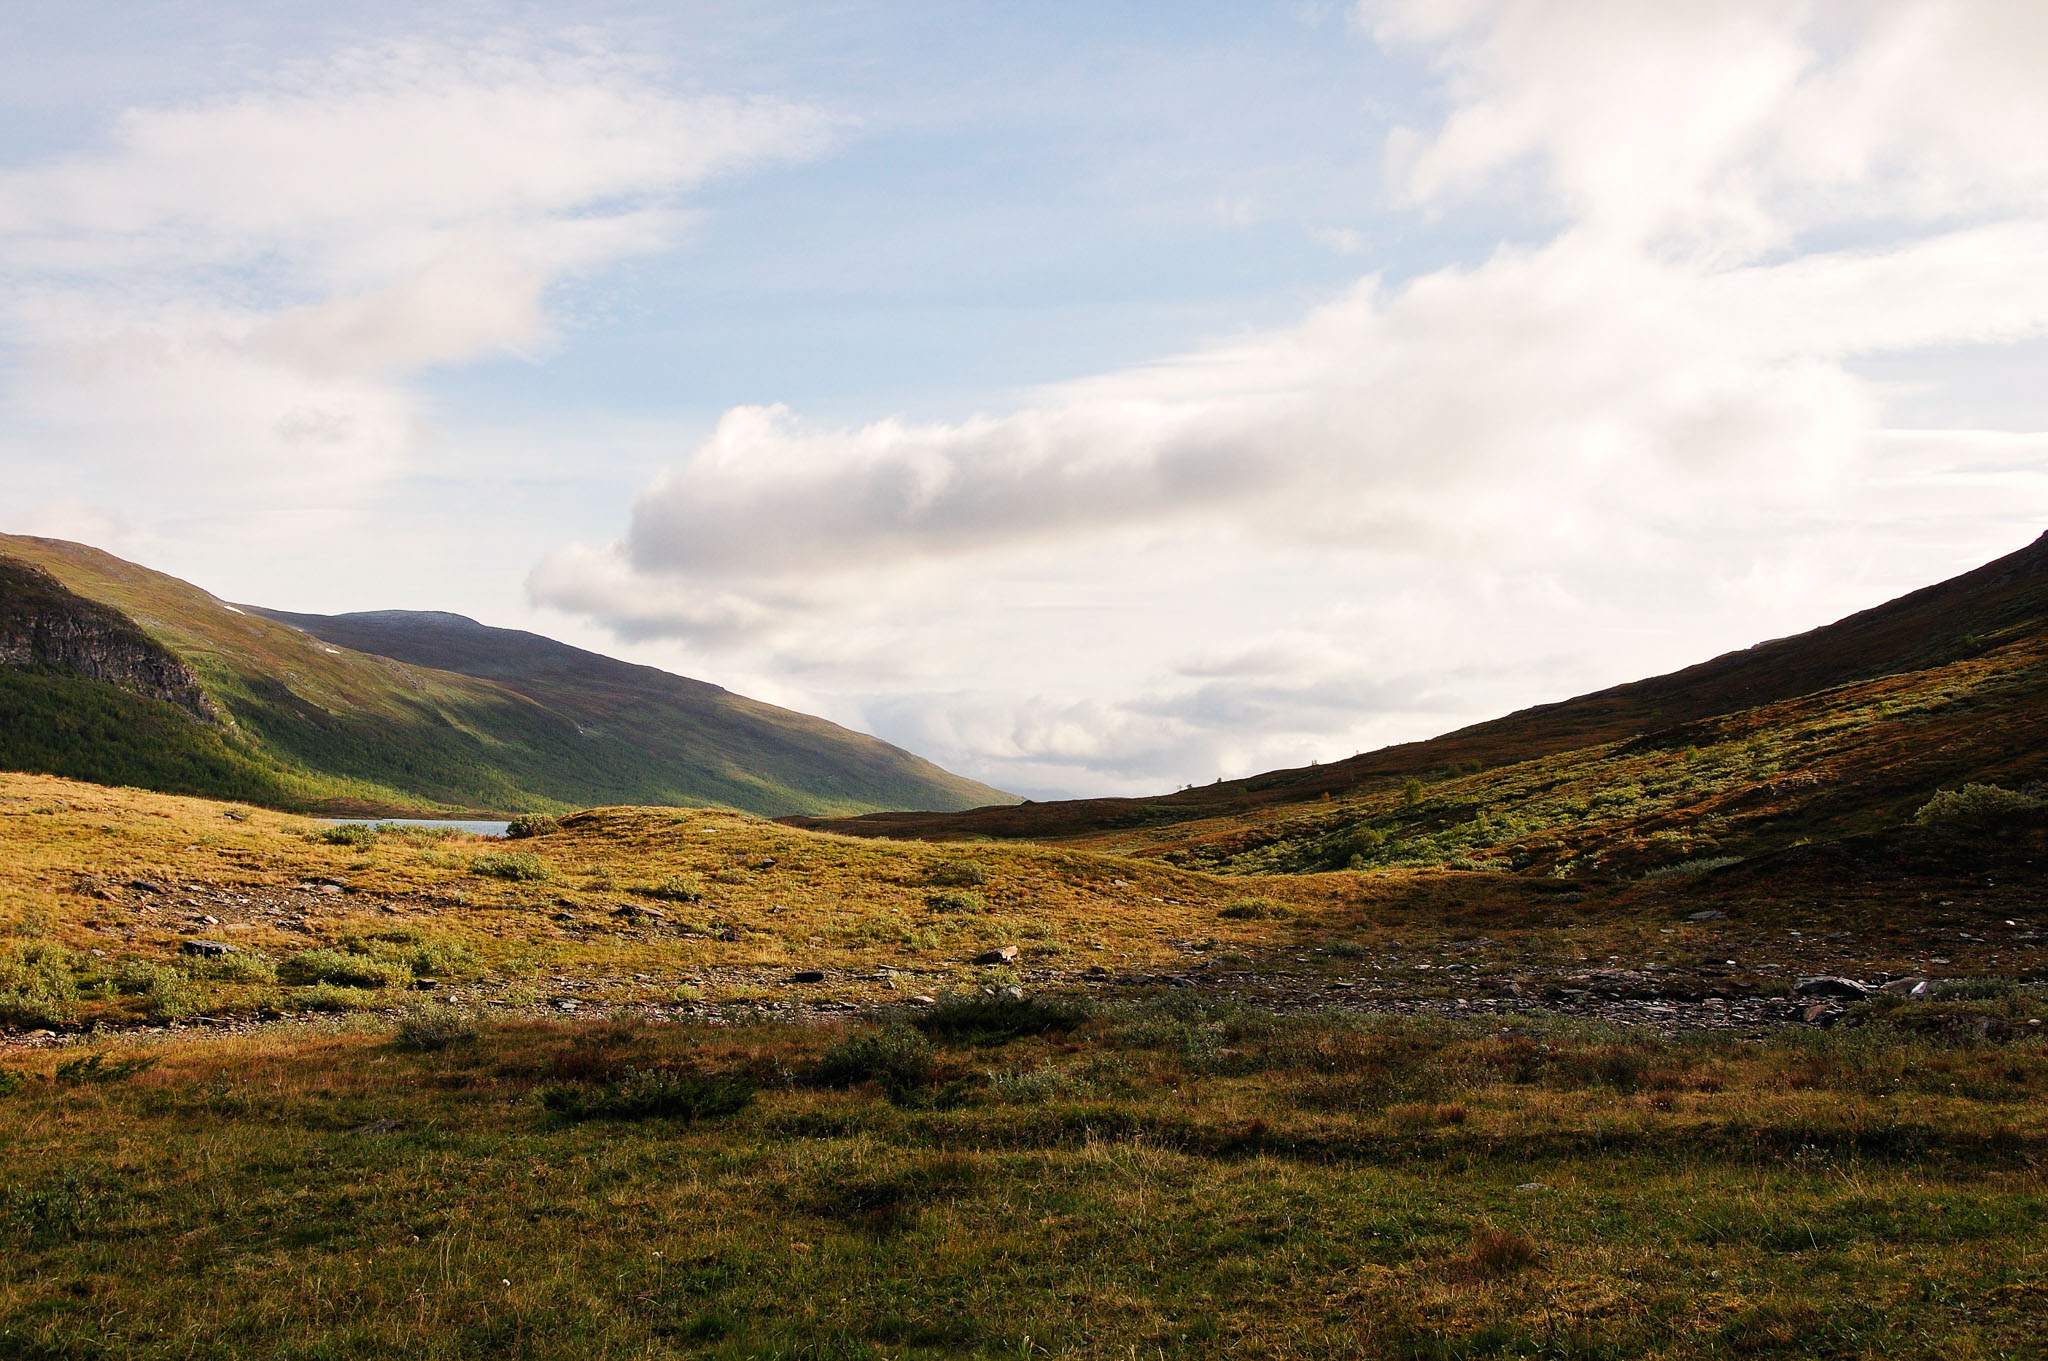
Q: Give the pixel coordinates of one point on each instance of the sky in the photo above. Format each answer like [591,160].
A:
[1095,399]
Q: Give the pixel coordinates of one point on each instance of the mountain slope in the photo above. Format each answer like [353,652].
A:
[714,739]
[302,723]
[1838,730]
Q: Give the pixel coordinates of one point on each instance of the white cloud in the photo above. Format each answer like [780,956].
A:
[226,301]
[1574,463]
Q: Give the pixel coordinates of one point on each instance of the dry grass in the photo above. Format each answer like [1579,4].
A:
[337,1193]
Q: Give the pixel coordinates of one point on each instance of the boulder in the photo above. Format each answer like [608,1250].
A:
[808,976]
[1913,989]
[1833,988]
[1003,954]
[206,949]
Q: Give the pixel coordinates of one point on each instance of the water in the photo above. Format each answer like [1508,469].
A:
[452,824]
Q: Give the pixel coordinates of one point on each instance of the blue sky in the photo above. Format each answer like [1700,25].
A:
[1094,398]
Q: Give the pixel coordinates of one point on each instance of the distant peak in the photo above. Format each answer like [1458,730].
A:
[437,618]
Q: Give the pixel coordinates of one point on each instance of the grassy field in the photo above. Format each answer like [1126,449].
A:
[1158,1178]
[662,1082]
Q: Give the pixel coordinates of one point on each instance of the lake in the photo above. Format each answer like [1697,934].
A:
[452,824]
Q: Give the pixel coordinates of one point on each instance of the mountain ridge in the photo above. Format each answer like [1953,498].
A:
[311,725]
[1945,633]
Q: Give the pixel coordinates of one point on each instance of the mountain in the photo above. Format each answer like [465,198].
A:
[114,673]
[738,751]
[1843,730]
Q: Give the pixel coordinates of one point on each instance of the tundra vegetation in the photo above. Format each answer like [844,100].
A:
[338,1092]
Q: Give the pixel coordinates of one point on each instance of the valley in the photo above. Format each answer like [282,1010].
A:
[1570,1035]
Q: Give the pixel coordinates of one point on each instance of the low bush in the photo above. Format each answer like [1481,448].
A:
[651,1094]
[678,888]
[328,997]
[360,835]
[958,874]
[431,1026]
[1974,805]
[1255,910]
[982,1017]
[533,824]
[895,1057]
[519,866]
[343,970]
[166,993]
[1692,869]
[956,900]
[37,990]
[237,966]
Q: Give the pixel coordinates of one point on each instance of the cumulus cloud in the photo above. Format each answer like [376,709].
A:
[1647,433]
[227,298]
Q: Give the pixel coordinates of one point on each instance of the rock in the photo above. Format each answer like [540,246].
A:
[206,921]
[426,984]
[1914,989]
[1003,954]
[1014,994]
[635,910]
[921,1000]
[206,949]
[808,976]
[1820,1013]
[1712,914]
[1832,987]
[1531,1187]
[147,886]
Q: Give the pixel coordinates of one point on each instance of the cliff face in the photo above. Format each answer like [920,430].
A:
[44,624]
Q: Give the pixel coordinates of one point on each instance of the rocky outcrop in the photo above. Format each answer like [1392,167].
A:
[46,626]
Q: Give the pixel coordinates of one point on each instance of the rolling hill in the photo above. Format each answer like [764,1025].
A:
[118,674]
[1840,731]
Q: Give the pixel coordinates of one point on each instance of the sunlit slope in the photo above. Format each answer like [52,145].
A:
[1841,730]
[731,748]
[303,722]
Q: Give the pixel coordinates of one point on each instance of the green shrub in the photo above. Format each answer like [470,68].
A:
[958,874]
[37,990]
[1254,910]
[520,866]
[1692,869]
[95,1068]
[167,994]
[345,970]
[360,835]
[678,888]
[441,959]
[533,824]
[895,1057]
[980,1016]
[435,1025]
[956,900]
[237,966]
[328,997]
[651,1094]
[1974,805]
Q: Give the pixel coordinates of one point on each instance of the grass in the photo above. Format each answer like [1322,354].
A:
[553,1190]
[1192,1158]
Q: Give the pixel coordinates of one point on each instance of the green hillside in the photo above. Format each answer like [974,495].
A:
[1841,731]
[686,733]
[299,722]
